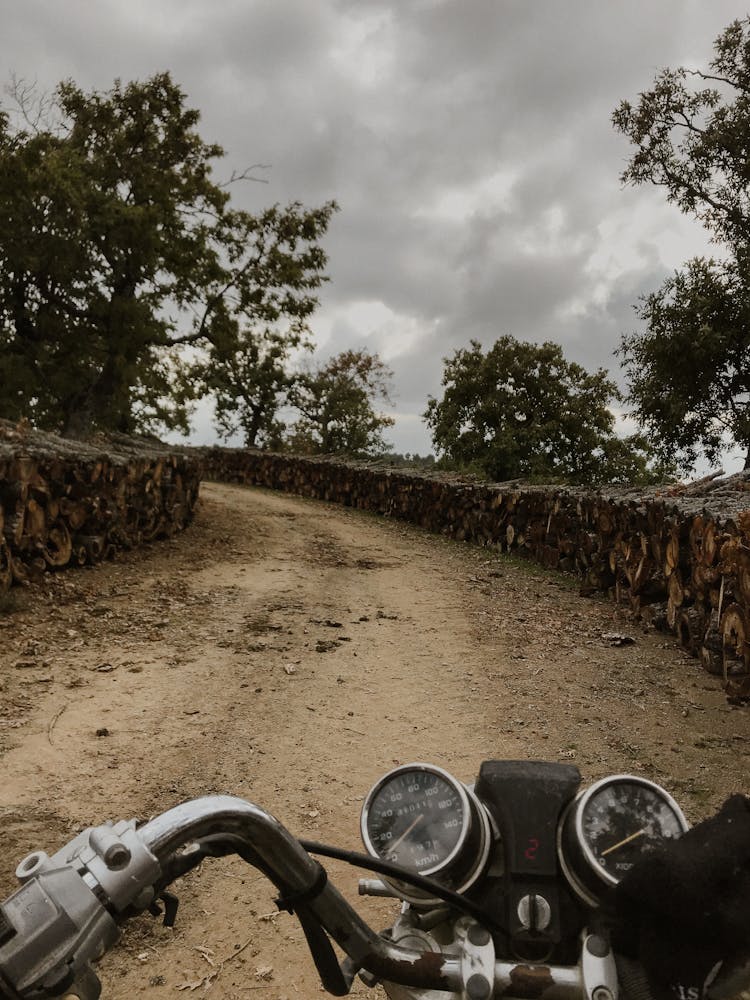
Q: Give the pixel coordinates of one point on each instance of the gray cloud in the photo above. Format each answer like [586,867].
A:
[469,146]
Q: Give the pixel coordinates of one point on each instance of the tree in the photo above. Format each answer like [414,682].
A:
[522,411]
[119,254]
[336,402]
[250,380]
[689,371]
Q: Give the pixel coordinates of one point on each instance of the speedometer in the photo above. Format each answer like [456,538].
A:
[424,820]
[610,826]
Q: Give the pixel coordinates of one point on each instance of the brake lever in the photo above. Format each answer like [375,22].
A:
[171,904]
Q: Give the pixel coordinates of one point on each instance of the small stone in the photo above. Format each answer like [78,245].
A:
[618,639]
[103,731]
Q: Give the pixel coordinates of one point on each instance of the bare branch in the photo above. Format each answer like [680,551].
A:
[32,106]
[711,76]
[247,175]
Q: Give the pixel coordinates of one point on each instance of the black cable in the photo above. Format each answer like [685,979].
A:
[387,868]
[218,846]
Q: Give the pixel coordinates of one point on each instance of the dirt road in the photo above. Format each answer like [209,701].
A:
[291,652]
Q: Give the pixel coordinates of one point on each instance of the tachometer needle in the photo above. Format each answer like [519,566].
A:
[405,834]
[621,843]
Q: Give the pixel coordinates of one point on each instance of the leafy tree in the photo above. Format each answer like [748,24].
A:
[522,411]
[337,401]
[250,379]
[119,253]
[689,371]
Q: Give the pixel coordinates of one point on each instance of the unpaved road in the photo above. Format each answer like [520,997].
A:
[290,652]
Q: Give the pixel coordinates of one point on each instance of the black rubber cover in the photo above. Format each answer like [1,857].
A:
[526,799]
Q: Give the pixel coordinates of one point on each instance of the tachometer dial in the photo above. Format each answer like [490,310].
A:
[421,818]
[610,826]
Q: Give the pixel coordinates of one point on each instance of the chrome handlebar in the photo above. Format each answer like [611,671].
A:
[65,914]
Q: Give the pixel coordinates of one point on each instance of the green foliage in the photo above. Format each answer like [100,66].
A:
[522,411]
[409,460]
[118,252]
[689,372]
[250,379]
[690,369]
[336,402]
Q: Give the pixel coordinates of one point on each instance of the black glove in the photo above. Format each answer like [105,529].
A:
[683,912]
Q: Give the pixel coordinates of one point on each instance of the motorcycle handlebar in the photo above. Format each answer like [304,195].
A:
[109,873]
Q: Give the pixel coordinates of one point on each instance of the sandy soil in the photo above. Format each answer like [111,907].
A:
[290,652]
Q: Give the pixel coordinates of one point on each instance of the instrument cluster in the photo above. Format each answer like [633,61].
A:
[421,818]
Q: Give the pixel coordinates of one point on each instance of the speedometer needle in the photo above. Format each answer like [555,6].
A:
[621,843]
[406,833]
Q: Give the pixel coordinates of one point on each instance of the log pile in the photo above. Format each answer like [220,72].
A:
[66,502]
[678,557]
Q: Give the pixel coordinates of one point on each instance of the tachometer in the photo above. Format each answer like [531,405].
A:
[610,826]
[420,817]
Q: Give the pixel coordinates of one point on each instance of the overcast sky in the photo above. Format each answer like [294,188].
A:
[468,143]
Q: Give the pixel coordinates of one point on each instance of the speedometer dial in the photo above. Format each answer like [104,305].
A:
[610,826]
[416,819]
[424,820]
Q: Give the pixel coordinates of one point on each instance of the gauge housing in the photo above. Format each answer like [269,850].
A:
[412,790]
[626,810]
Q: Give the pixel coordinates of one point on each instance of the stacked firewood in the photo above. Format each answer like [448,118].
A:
[66,502]
[679,557]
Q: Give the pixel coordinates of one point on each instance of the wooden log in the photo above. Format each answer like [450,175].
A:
[58,545]
[91,547]
[734,639]
[690,625]
[712,649]
[6,567]
[75,512]
[675,597]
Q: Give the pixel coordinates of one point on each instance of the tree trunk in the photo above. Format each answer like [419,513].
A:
[102,405]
